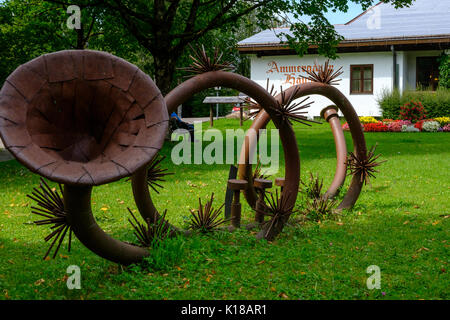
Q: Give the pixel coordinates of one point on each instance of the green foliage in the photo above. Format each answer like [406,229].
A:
[313,187]
[403,212]
[436,103]
[30,28]
[165,254]
[320,209]
[444,71]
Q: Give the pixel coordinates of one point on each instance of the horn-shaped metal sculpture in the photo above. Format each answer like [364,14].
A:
[83,118]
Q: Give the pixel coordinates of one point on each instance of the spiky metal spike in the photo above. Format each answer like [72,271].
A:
[155,174]
[320,208]
[257,173]
[50,205]
[313,188]
[277,209]
[325,73]
[151,232]
[206,218]
[365,167]
[288,110]
[202,63]
[253,107]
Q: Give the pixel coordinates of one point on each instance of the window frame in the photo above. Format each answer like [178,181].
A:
[362,67]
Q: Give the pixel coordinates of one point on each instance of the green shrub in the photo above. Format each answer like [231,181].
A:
[436,103]
[444,71]
[165,254]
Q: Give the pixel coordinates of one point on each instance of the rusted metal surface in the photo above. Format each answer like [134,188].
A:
[261,185]
[77,202]
[236,186]
[82,117]
[330,114]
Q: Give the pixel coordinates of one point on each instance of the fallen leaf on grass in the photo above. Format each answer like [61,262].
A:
[283,295]
[39,282]
[261,262]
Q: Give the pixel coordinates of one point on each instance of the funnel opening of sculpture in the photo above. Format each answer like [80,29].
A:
[82,117]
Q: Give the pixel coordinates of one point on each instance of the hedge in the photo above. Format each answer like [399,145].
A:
[436,103]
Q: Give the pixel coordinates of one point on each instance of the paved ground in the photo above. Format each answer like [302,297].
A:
[5,155]
[191,120]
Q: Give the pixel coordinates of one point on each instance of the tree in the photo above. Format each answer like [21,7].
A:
[166,27]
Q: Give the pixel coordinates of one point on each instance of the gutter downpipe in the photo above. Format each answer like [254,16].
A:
[394,68]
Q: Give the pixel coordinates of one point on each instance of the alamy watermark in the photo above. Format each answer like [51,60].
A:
[374,19]
[74,279]
[74,20]
[374,281]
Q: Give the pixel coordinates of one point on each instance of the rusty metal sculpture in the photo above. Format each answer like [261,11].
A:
[321,85]
[86,118]
[83,118]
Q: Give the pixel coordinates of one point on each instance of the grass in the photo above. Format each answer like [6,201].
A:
[399,224]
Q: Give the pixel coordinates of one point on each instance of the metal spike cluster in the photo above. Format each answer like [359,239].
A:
[201,63]
[151,232]
[277,209]
[326,74]
[257,173]
[288,110]
[155,173]
[253,107]
[313,187]
[206,218]
[364,167]
[50,205]
[320,208]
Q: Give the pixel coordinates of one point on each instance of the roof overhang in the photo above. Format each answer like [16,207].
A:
[440,42]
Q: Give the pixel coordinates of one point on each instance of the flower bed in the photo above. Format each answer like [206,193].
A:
[441,124]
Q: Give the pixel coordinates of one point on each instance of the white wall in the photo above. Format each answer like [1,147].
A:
[364,104]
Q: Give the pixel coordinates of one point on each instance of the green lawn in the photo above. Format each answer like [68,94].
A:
[400,224]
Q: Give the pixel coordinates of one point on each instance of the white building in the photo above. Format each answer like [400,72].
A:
[411,39]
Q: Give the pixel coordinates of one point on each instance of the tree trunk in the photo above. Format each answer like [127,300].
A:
[164,71]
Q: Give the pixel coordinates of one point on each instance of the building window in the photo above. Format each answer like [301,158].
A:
[361,79]
[427,76]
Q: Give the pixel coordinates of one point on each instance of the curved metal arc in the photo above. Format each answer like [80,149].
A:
[77,203]
[234,81]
